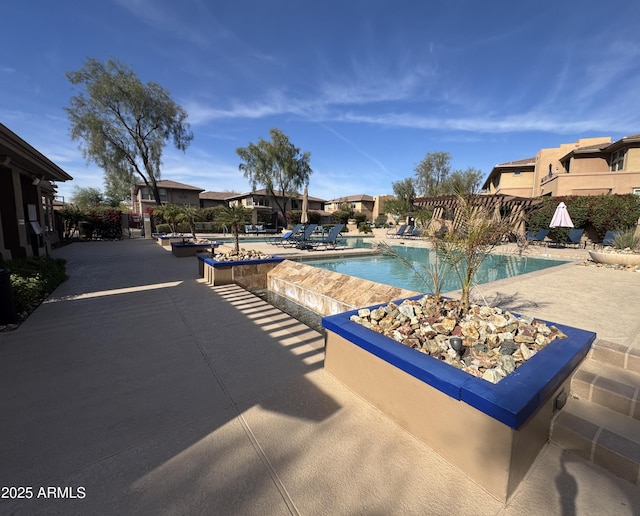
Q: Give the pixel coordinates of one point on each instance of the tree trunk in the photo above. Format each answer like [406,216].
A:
[236,237]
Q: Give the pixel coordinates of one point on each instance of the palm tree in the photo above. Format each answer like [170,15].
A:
[474,235]
[234,216]
[192,214]
[171,214]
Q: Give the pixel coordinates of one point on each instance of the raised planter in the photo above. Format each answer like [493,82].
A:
[182,250]
[249,274]
[615,258]
[491,432]
[166,241]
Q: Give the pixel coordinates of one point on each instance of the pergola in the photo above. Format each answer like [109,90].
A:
[514,209]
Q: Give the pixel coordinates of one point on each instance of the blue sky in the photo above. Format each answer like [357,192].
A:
[368,87]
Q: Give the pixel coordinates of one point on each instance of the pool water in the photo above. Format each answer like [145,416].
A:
[392,271]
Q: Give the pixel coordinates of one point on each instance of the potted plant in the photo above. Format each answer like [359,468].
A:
[624,251]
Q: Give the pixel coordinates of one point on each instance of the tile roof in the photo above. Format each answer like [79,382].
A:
[165,183]
[519,162]
[264,192]
[216,196]
[350,198]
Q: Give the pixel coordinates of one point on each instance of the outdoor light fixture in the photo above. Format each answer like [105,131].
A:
[36,181]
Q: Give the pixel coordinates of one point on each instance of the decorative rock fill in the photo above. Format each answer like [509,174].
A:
[494,343]
[232,256]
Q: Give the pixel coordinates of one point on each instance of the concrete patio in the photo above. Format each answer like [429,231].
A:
[159,394]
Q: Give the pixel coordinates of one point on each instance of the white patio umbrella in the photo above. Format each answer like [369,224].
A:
[305,206]
[561,218]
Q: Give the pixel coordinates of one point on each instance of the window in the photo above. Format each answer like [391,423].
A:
[257,201]
[147,195]
[636,191]
[516,172]
[617,160]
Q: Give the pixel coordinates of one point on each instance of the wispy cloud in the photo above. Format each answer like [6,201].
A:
[510,123]
[371,158]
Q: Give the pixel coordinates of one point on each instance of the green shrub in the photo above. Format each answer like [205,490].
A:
[627,239]
[102,223]
[163,228]
[340,217]
[602,212]
[294,217]
[32,279]
[380,221]
[613,212]
[364,227]
[360,217]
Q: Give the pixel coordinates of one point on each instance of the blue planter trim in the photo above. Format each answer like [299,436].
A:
[219,264]
[511,401]
[180,244]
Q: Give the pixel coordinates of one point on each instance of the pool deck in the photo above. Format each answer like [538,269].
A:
[144,390]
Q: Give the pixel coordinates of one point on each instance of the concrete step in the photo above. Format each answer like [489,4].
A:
[601,436]
[613,387]
[619,355]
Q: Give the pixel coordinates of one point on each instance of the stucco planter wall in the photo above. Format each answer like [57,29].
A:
[166,241]
[249,274]
[327,292]
[491,432]
[615,258]
[180,250]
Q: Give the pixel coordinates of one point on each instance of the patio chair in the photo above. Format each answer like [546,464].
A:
[414,233]
[330,241]
[398,232]
[575,237]
[299,240]
[609,238]
[281,239]
[539,236]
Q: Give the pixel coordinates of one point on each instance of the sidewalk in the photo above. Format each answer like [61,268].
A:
[142,390]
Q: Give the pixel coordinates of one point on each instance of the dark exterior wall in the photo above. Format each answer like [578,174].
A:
[8,212]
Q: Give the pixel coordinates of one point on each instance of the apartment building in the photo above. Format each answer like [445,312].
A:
[590,166]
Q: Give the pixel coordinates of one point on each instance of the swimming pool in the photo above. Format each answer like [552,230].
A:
[391,271]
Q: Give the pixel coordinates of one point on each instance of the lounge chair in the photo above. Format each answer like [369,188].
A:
[282,239]
[414,233]
[609,238]
[330,241]
[398,232]
[299,240]
[574,237]
[539,236]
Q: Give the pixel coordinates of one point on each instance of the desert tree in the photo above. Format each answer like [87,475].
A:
[117,186]
[434,176]
[123,124]
[431,173]
[276,165]
[404,195]
[87,197]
